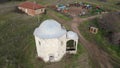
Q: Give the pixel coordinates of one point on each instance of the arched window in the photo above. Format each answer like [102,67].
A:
[70,45]
[51,57]
[39,42]
[62,43]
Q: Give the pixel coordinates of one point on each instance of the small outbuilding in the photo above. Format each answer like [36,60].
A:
[93,30]
[53,41]
[31,8]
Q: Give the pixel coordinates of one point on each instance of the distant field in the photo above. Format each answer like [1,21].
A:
[109,4]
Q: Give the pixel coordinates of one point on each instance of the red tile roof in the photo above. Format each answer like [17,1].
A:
[30,5]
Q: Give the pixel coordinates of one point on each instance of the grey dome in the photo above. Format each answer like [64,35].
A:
[49,29]
[72,35]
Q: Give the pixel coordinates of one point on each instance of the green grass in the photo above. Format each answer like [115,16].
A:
[60,15]
[17,45]
[16,40]
[109,5]
[75,58]
[99,39]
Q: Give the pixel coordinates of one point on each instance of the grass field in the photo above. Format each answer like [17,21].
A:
[17,41]
[109,4]
[99,39]
[17,46]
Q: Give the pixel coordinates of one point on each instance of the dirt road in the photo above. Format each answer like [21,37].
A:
[99,57]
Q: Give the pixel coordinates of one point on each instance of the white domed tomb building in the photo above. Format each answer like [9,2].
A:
[53,41]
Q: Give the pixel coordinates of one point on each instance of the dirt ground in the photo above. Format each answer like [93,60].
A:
[66,62]
[75,11]
[98,55]
[101,59]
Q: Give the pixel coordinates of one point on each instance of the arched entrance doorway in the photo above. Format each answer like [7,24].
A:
[71,45]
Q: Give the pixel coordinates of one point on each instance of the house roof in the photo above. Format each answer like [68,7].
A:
[49,29]
[30,5]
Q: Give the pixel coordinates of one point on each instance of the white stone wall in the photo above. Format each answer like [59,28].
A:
[55,47]
[51,47]
[39,11]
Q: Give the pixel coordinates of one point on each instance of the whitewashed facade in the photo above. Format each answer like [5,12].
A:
[51,41]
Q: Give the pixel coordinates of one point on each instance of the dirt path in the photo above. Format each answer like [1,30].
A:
[100,58]
[84,64]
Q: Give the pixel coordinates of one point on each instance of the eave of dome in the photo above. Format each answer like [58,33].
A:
[49,29]
[72,35]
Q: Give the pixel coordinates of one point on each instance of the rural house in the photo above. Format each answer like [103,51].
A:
[31,8]
[53,41]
